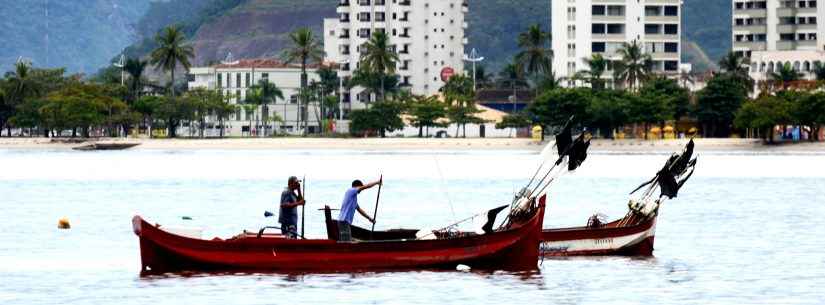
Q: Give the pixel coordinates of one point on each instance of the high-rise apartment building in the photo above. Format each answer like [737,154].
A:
[778,25]
[777,33]
[581,28]
[428,35]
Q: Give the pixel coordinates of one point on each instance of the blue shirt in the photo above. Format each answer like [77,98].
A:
[288,216]
[349,205]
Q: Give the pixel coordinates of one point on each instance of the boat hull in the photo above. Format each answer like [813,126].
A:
[161,252]
[612,239]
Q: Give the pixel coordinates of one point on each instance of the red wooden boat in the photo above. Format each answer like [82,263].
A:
[512,248]
[632,235]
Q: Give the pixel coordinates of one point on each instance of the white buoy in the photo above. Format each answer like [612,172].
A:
[462,268]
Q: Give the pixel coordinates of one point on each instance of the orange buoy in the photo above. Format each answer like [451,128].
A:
[63,223]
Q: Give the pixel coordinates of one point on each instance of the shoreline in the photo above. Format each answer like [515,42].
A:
[423,144]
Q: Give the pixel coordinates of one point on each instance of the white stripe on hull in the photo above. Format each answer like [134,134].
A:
[596,244]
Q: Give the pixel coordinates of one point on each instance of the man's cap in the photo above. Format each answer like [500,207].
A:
[357,183]
[293,179]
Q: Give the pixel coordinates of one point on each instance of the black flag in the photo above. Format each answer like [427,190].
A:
[577,153]
[564,140]
[491,218]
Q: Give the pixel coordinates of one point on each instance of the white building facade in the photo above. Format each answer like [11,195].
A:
[234,79]
[582,28]
[775,33]
[777,25]
[428,35]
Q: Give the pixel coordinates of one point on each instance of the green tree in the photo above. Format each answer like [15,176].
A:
[597,65]
[304,48]
[380,57]
[657,102]
[261,95]
[635,66]
[515,120]
[763,114]
[736,66]
[426,112]
[785,75]
[460,98]
[608,110]
[717,103]
[536,56]
[806,108]
[135,68]
[819,71]
[172,52]
[382,117]
[148,107]
[554,108]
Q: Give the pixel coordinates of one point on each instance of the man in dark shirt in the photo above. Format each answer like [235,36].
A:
[290,201]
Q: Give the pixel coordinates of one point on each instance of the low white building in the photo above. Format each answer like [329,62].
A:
[764,63]
[235,78]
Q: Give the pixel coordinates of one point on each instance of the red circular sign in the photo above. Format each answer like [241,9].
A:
[447,73]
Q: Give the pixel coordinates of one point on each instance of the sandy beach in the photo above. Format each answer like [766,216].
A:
[598,146]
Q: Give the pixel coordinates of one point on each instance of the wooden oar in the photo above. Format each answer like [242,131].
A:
[303,207]
[377,197]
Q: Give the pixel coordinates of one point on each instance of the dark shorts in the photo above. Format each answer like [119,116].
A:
[344,231]
[290,231]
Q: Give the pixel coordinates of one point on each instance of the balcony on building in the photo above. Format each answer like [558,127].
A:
[343,3]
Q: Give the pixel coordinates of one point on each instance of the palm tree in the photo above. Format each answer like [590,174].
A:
[305,49]
[482,78]
[535,57]
[597,64]
[735,64]
[263,94]
[21,85]
[135,68]
[171,52]
[819,70]
[686,78]
[379,57]
[635,65]
[785,74]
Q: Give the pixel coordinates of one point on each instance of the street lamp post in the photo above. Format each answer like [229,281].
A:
[121,64]
[474,58]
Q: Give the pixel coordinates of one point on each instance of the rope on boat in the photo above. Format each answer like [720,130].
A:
[443,185]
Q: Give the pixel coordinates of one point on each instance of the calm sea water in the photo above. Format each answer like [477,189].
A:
[745,230]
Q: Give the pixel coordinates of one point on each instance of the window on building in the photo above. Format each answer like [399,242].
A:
[615,10]
[652,29]
[220,80]
[615,28]
[653,10]
[599,28]
[598,47]
[671,47]
[599,10]
[248,80]
[671,65]
[671,10]
[671,29]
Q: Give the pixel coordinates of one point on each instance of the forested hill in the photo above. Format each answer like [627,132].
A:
[85,35]
[81,35]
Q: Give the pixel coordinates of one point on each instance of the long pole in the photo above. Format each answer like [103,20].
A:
[377,197]
[303,207]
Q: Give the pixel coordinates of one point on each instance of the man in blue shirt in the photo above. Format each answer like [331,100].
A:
[348,208]
[288,216]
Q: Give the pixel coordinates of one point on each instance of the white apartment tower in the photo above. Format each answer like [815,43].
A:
[778,25]
[428,35]
[581,28]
